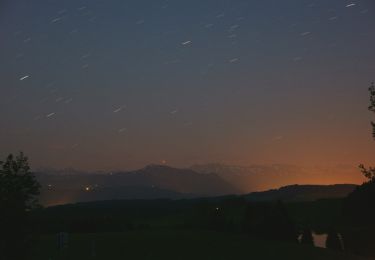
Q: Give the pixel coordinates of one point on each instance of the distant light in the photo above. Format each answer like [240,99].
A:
[217,208]
[87,189]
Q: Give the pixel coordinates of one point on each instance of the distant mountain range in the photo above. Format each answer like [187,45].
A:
[153,181]
[159,181]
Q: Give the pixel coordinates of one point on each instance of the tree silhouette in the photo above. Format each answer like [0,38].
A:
[18,191]
[333,241]
[361,201]
[307,238]
[369,173]
[372,105]
[358,208]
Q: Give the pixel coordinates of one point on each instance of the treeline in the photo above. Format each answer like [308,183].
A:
[267,220]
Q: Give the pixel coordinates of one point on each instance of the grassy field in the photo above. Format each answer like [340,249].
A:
[176,244]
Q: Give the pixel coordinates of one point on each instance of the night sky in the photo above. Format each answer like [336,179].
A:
[102,84]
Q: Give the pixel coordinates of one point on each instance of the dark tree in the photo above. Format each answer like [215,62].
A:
[307,237]
[333,241]
[369,173]
[372,105]
[359,207]
[18,193]
[361,201]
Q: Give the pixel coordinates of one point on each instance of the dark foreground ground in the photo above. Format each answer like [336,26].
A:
[176,244]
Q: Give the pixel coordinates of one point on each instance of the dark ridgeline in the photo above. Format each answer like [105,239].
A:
[270,176]
[303,193]
[18,191]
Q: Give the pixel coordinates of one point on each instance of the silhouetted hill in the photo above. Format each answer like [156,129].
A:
[303,192]
[259,177]
[151,182]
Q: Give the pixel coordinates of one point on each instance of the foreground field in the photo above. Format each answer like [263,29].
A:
[176,244]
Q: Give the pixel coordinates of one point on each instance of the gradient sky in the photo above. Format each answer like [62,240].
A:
[102,84]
